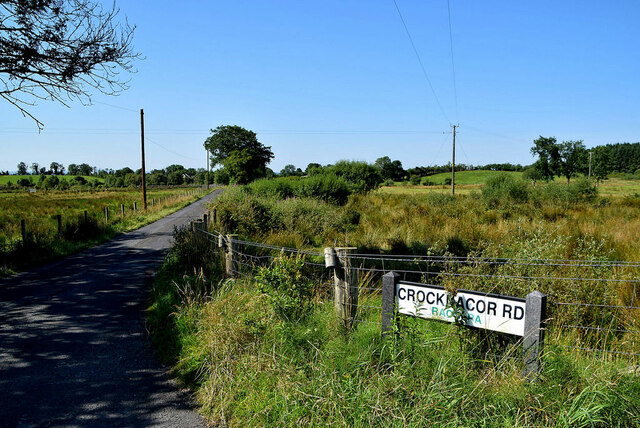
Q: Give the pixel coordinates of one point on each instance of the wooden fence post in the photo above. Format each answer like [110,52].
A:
[389,282]
[534,326]
[122,208]
[215,216]
[153,201]
[231,260]
[205,219]
[345,287]
[23,229]
[106,214]
[135,206]
[59,219]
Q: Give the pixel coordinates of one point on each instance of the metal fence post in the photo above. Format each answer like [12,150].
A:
[231,260]
[389,282]
[345,287]
[534,327]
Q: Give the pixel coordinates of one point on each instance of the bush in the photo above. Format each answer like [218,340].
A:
[279,188]
[245,214]
[326,187]
[287,288]
[581,190]
[361,176]
[51,182]
[414,179]
[504,189]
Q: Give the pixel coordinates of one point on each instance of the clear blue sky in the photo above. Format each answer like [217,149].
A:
[330,80]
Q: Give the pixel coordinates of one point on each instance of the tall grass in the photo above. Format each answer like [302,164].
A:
[251,366]
[39,211]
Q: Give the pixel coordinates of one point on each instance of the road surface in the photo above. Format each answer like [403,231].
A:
[73,346]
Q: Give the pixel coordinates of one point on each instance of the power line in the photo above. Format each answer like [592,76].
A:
[108,131]
[169,150]
[424,70]
[114,106]
[453,68]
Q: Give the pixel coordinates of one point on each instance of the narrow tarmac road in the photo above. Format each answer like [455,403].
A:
[73,346]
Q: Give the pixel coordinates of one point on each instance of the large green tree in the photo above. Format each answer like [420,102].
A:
[574,159]
[390,170]
[240,153]
[601,163]
[22,168]
[548,152]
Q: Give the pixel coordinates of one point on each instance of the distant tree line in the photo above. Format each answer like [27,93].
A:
[173,175]
[570,158]
[55,168]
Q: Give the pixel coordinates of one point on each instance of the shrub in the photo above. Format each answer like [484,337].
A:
[504,189]
[361,176]
[414,179]
[51,182]
[581,190]
[326,187]
[279,188]
[287,288]
[245,214]
[79,180]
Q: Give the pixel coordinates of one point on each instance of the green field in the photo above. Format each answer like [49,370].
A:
[13,179]
[469,177]
[470,181]
[39,210]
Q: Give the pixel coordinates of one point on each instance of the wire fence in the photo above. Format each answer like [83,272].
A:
[592,304]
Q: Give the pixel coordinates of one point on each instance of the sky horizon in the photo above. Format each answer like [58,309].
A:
[341,80]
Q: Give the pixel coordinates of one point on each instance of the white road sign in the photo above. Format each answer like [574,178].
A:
[482,310]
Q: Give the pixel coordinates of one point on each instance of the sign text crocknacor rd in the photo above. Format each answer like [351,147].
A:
[488,311]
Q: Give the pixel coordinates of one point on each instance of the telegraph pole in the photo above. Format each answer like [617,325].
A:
[208,169]
[453,162]
[144,183]
[590,153]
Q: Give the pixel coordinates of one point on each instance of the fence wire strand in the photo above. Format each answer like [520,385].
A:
[572,287]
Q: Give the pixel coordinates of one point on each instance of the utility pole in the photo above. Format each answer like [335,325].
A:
[208,169]
[453,162]
[590,153]
[144,183]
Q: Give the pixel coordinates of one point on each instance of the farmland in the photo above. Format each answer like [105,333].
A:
[39,211]
[620,185]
